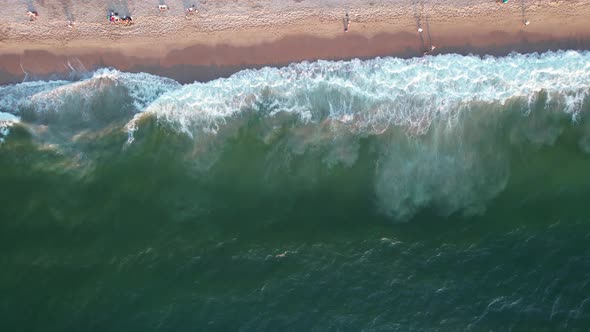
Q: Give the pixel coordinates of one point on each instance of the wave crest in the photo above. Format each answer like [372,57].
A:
[437,132]
[374,94]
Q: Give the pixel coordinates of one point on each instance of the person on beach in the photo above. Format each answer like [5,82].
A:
[346,22]
[113,17]
[163,8]
[32,15]
[127,20]
[190,11]
[428,52]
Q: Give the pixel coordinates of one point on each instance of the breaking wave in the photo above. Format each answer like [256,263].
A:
[436,133]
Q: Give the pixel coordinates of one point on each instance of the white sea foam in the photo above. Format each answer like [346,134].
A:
[441,126]
[17,96]
[142,88]
[371,95]
[452,160]
[7,117]
[6,121]
[53,95]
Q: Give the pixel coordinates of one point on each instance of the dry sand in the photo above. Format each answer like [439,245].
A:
[226,35]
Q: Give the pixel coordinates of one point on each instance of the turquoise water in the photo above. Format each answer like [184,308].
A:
[445,193]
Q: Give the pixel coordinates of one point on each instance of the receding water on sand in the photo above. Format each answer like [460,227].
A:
[441,193]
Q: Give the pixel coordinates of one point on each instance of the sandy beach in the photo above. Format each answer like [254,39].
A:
[227,35]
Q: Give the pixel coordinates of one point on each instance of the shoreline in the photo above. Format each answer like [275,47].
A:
[201,52]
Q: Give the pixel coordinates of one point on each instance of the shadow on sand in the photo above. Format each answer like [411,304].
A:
[67,8]
[119,6]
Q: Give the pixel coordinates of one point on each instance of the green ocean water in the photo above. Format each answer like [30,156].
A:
[269,224]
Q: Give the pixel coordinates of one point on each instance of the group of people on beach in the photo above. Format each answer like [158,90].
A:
[114,18]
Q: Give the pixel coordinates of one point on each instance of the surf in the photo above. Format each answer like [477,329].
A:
[451,187]
[439,133]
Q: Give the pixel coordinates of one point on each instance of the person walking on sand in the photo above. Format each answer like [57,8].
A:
[346,22]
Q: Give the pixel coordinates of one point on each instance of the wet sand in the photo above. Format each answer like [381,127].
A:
[226,36]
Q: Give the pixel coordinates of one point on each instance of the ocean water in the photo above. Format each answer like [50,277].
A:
[443,193]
